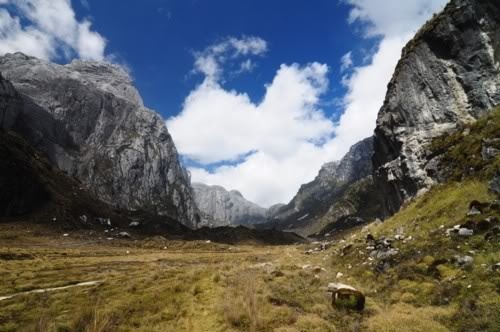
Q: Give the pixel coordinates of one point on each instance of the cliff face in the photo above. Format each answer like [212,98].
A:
[91,122]
[332,196]
[220,207]
[449,75]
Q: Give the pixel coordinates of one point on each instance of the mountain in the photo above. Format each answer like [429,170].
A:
[448,76]
[220,207]
[90,121]
[341,196]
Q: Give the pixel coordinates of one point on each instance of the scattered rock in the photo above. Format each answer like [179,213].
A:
[465,232]
[474,211]
[318,269]
[493,233]
[125,235]
[103,221]
[339,275]
[495,183]
[346,249]
[463,261]
[65,235]
[83,219]
[134,224]
[399,237]
[496,267]
[346,297]
[370,238]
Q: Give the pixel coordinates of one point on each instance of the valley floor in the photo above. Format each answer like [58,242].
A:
[162,285]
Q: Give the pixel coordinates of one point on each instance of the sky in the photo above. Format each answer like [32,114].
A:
[257,94]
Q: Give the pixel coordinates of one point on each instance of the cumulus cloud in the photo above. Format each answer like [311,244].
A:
[210,61]
[346,61]
[280,143]
[51,30]
[394,22]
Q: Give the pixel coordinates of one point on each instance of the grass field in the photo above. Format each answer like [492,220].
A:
[161,285]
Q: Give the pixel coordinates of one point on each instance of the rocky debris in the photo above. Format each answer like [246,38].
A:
[381,248]
[103,221]
[465,232]
[488,149]
[463,261]
[220,207]
[435,89]
[91,123]
[346,297]
[339,275]
[494,233]
[474,211]
[496,267]
[495,184]
[134,224]
[320,246]
[125,235]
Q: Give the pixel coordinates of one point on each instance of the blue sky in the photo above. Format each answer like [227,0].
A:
[157,39]
[256,94]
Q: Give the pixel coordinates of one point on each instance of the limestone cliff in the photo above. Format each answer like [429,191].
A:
[90,121]
[449,75]
[220,207]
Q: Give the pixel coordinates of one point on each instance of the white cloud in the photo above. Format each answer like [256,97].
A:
[346,61]
[51,31]
[211,60]
[286,138]
[392,18]
[395,22]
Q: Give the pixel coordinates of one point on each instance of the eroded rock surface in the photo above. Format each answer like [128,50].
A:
[220,207]
[449,75]
[91,122]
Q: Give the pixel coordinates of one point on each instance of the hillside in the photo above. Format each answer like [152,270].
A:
[340,197]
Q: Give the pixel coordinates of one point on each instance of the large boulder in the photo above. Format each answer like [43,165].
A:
[347,297]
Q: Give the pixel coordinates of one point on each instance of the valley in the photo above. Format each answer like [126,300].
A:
[106,226]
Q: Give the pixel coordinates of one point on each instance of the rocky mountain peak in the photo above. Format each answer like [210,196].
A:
[90,121]
[449,75]
[223,208]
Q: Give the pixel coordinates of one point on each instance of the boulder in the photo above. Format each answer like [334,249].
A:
[125,235]
[463,261]
[346,297]
[465,232]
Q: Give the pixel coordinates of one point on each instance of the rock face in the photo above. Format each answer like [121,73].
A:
[91,122]
[449,75]
[341,193]
[220,207]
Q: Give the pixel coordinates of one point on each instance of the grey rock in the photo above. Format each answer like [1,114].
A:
[134,224]
[488,151]
[11,104]
[220,207]
[125,235]
[340,196]
[495,184]
[90,121]
[463,260]
[449,75]
[465,232]
[474,211]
